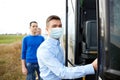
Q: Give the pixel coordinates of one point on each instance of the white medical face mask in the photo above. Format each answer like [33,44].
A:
[56,33]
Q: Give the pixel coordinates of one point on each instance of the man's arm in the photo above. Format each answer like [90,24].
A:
[60,70]
[24,69]
[23,57]
[94,63]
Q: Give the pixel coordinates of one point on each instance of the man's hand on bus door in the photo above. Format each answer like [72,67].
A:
[94,63]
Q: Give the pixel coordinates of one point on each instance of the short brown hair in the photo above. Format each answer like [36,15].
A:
[51,18]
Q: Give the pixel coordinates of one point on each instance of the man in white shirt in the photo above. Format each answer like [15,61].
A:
[51,59]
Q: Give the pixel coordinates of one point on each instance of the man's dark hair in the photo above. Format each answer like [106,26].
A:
[32,22]
[52,17]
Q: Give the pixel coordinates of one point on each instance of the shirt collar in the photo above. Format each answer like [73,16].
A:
[53,41]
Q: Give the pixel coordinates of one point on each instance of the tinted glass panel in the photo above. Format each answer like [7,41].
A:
[115,34]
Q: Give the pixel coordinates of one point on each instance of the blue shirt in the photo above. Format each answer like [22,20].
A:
[30,44]
[51,62]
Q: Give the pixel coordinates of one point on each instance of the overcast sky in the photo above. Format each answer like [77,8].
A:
[15,15]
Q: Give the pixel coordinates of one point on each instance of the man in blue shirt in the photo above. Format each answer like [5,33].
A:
[30,44]
[51,59]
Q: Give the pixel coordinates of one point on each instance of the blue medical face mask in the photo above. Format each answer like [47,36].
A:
[56,33]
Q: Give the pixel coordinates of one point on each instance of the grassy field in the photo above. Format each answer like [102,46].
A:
[6,39]
[10,63]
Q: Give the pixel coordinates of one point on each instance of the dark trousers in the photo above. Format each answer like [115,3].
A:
[33,68]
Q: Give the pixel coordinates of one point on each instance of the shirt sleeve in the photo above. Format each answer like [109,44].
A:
[24,48]
[60,70]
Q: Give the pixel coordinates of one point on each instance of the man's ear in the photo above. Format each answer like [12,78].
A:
[46,28]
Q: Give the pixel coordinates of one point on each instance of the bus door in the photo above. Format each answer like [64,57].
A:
[89,30]
[109,41]
[81,33]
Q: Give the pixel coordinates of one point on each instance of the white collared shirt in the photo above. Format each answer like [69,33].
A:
[51,61]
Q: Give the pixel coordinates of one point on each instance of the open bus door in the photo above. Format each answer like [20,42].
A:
[109,40]
[81,33]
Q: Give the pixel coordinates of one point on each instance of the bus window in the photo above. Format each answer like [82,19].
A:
[114,34]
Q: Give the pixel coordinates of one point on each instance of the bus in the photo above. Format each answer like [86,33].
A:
[92,31]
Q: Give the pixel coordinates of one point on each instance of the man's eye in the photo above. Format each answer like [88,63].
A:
[34,26]
[54,26]
[60,25]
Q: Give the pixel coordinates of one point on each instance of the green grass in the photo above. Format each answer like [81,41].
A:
[6,39]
